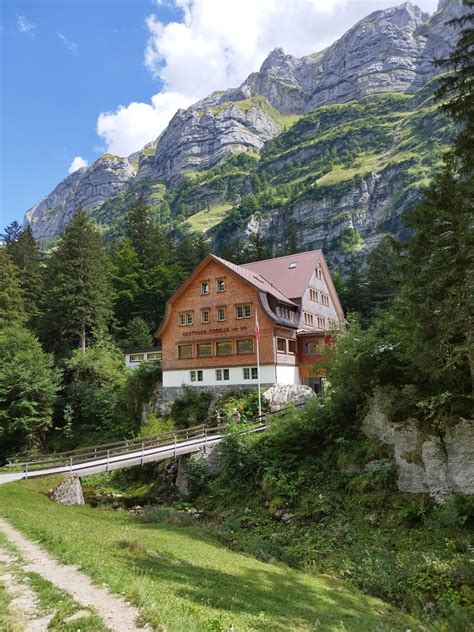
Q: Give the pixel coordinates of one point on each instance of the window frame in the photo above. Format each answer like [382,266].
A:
[291,343]
[153,353]
[243,352]
[205,311]
[308,319]
[204,344]
[140,356]
[244,307]
[188,317]
[281,340]
[254,372]
[203,284]
[219,319]
[218,342]
[218,281]
[181,357]
[313,295]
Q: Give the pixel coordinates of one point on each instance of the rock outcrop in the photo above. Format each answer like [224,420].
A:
[392,50]
[280,396]
[439,465]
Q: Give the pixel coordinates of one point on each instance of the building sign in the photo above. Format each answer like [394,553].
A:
[214,330]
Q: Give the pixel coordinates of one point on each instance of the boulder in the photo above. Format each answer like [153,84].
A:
[279,396]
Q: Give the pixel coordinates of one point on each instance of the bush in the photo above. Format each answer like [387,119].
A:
[191,408]
[28,387]
[239,405]
[198,474]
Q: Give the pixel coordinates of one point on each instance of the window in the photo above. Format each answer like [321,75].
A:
[319,273]
[204,349]
[185,318]
[185,351]
[222,374]
[313,295]
[137,357]
[156,355]
[245,346]
[205,287]
[332,324]
[224,348]
[314,347]
[281,345]
[221,285]
[250,373]
[325,299]
[292,346]
[308,319]
[204,316]
[220,313]
[284,312]
[196,376]
[321,322]
[243,311]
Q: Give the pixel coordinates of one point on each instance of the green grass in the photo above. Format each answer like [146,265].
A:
[364,165]
[183,579]
[206,219]
[50,600]
[284,121]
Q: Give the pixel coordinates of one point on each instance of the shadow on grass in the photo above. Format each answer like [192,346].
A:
[284,594]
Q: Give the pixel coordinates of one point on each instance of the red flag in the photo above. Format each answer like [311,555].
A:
[257,327]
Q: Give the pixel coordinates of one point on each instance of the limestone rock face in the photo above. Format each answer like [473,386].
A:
[392,50]
[68,492]
[198,139]
[87,188]
[437,465]
[279,396]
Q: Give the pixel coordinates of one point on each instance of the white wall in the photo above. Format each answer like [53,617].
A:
[287,374]
[236,378]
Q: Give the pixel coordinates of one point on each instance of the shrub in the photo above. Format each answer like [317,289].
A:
[191,408]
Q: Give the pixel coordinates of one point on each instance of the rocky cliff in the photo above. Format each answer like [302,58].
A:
[339,156]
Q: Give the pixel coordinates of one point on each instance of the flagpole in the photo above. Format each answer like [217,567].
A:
[257,337]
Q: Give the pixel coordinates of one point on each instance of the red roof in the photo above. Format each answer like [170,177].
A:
[290,274]
[256,278]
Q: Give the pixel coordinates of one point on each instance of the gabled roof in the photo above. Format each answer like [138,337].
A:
[291,280]
[255,278]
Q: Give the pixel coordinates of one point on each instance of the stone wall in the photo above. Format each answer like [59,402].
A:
[68,491]
[439,465]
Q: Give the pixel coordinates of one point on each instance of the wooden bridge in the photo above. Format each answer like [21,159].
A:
[122,454]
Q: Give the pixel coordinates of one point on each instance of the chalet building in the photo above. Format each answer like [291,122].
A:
[208,334]
[134,356]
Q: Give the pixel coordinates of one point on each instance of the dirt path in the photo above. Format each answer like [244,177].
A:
[24,604]
[116,613]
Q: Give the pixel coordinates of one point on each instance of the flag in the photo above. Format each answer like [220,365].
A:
[257,327]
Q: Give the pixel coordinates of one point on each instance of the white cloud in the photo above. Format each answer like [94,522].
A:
[78,163]
[25,26]
[216,45]
[130,127]
[71,46]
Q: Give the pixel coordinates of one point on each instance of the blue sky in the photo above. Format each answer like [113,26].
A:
[122,67]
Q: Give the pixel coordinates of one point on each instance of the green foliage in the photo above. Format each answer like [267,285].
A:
[125,275]
[139,389]
[239,405]
[77,302]
[12,304]
[137,334]
[28,388]
[191,408]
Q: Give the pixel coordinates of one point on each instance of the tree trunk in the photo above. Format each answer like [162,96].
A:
[82,344]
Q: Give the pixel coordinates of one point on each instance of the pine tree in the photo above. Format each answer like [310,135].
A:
[150,241]
[11,233]
[12,305]
[125,277]
[137,334]
[78,295]
[26,255]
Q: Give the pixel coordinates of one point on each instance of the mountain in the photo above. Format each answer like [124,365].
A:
[327,150]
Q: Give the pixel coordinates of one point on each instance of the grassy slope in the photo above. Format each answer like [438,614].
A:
[206,219]
[183,579]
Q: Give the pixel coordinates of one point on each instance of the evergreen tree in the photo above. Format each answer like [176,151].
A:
[11,233]
[12,305]
[26,255]
[125,276]
[78,295]
[150,241]
[137,334]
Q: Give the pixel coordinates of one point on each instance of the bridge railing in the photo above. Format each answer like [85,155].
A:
[140,445]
